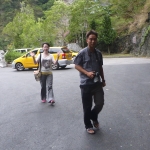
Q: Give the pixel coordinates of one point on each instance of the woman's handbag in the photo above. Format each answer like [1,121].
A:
[37,74]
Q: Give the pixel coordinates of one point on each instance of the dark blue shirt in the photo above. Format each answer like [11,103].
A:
[90,61]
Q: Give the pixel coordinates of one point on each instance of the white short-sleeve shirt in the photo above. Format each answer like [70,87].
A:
[46,62]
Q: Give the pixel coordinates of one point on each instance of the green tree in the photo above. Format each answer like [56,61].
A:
[108,34]
[48,5]
[56,22]
[85,15]
[10,8]
[93,25]
[36,34]
[14,29]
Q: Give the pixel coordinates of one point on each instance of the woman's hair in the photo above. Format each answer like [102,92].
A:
[46,44]
[91,32]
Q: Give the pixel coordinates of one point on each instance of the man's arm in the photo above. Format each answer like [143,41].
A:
[89,74]
[102,76]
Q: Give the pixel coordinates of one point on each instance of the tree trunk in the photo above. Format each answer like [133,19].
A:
[82,40]
[108,50]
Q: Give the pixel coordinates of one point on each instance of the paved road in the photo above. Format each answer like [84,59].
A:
[27,124]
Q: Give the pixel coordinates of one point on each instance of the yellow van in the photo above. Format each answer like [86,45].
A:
[26,61]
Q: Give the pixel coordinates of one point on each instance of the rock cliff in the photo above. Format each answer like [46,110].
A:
[137,43]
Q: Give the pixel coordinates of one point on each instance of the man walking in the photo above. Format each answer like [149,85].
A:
[89,63]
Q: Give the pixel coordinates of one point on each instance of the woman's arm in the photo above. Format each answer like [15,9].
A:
[33,56]
[56,61]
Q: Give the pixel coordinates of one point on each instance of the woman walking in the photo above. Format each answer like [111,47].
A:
[46,79]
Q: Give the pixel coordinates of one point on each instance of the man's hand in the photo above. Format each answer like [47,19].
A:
[103,83]
[91,74]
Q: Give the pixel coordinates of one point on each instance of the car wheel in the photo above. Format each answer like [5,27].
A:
[19,67]
[55,66]
[63,67]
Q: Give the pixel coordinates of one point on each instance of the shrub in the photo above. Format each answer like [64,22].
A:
[11,55]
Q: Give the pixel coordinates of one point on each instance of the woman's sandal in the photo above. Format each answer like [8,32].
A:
[90,131]
[96,124]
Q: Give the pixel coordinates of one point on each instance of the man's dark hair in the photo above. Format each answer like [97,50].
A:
[46,44]
[91,32]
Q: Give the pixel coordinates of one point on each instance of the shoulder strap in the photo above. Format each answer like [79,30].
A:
[39,64]
[96,54]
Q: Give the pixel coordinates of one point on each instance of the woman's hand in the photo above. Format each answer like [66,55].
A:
[58,54]
[32,54]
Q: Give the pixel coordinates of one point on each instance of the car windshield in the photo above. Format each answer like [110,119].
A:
[55,50]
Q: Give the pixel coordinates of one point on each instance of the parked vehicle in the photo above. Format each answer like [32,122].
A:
[74,54]
[22,50]
[26,61]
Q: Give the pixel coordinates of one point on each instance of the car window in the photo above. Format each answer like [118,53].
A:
[55,50]
[28,55]
[41,50]
[22,51]
[28,49]
[34,51]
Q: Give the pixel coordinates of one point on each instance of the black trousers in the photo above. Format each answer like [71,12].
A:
[89,93]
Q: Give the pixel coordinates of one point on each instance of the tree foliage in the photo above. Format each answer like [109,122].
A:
[56,22]
[124,12]
[108,34]
[32,22]
[84,16]
[21,22]
[10,8]
[127,9]
[25,30]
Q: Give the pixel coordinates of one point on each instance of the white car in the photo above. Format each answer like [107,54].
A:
[22,50]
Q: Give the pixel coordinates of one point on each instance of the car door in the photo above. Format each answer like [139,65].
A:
[29,63]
